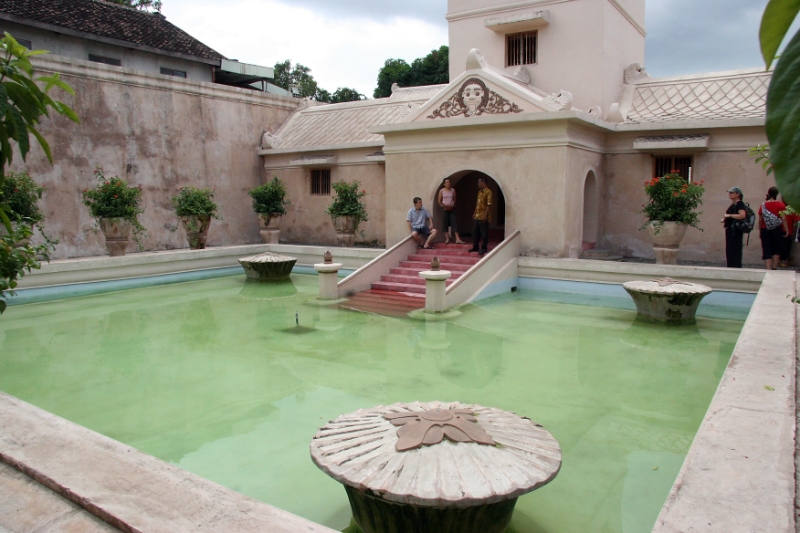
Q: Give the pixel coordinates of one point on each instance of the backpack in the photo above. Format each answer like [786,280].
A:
[747,224]
[771,221]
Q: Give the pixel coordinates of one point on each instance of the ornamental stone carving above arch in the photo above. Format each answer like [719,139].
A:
[473,99]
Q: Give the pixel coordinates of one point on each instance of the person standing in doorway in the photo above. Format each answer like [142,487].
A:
[482,218]
[420,224]
[733,235]
[447,201]
[771,229]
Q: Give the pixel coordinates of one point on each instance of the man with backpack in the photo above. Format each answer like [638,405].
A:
[736,213]
[771,229]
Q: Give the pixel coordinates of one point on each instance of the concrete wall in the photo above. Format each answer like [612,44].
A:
[77,48]
[306,221]
[159,132]
[584,49]
[726,164]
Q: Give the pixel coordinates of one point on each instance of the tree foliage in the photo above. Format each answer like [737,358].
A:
[783,98]
[142,5]
[432,69]
[22,105]
[299,76]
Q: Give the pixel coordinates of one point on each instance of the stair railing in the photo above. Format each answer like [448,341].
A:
[498,265]
[363,278]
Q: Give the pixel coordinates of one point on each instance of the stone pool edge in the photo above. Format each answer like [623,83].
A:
[739,474]
[128,489]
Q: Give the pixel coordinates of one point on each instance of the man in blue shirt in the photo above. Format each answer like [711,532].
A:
[420,224]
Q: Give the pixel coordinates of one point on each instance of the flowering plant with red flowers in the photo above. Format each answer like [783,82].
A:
[672,199]
[114,198]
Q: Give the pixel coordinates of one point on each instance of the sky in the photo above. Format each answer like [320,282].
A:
[345,42]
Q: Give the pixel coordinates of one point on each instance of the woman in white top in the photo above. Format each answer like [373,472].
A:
[447,201]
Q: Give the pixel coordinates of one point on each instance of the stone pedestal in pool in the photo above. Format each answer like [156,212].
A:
[667,300]
[268,266]
[449,468]
[328,277]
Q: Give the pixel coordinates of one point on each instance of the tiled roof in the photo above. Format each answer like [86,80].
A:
[716,96]
[349,123]
[111,21]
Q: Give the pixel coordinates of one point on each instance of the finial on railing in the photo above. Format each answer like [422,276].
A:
[328,257]
[435,265]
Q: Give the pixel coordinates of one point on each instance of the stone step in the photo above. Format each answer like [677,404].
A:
[597,253]
[398,287]
[426,265]
[410,280]
[602,256]
[439,252]
[415,271]
[451,260]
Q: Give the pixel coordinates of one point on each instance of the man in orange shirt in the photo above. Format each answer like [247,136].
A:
[482,217]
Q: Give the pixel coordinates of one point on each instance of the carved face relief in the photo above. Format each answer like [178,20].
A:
[472,96]
[474,99]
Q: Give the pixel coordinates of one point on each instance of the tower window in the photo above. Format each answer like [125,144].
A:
[106,60]
[521,49]
[173,72]
[321,181]
[680,163]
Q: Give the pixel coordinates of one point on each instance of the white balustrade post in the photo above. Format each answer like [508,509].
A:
[435,287]
[328,278]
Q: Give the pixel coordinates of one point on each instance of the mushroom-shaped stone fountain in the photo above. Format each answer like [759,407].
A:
[435,467]
[667,300]
[268,266]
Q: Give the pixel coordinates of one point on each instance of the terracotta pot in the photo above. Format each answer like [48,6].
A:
[667,237]
[196,230]
[270,228]
[117,232]
[345,228]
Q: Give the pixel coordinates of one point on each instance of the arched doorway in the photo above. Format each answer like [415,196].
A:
[466,185]
[590,212]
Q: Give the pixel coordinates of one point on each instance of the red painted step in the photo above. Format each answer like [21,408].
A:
[415,271]
[419,266]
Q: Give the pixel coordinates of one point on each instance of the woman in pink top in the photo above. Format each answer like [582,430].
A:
[772,229]
[447,201]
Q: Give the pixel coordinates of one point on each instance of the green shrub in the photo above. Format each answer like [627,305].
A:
[672,199]
[270,198]
[347,202]
[114,198]
[192,201]
[22,195]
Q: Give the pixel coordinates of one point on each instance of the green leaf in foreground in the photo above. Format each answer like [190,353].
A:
[777,18]
[768,387]
[783,122]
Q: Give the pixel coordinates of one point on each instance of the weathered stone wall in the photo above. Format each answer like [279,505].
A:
[157,132]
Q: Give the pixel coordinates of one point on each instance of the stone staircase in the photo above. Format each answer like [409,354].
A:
[402,290]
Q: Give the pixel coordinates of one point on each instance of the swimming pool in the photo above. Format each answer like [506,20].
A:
[217,377]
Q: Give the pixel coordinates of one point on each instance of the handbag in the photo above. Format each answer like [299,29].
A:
[771,221]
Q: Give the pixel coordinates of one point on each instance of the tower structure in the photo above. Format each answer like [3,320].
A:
[579,46]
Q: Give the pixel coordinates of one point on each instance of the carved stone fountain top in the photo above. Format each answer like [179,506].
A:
[481,455]
[666,285]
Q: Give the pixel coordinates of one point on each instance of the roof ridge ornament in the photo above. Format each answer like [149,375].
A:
[475,59]
[636,73]
[472,99]
[562,99]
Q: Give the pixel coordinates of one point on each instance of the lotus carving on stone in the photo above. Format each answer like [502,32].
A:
[431,427]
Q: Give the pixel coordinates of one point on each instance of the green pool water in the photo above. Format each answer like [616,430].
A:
[216,377]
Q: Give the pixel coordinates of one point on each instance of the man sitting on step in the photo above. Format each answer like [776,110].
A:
[420,223]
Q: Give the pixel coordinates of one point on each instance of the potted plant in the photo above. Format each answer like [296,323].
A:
[195,208]
[671,209]
[347,211]
[269,201]
[115,206]
[21,194]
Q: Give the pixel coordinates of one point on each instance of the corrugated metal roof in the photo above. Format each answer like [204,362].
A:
[716,96]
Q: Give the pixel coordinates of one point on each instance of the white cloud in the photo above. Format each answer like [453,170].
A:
[347,51]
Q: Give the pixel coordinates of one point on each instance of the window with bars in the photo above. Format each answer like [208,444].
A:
[173,72]
[321,181]
[26,43]
[106,60]
[521,49]
[679,163]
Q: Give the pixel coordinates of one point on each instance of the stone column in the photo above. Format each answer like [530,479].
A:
[435,288]
[328,278]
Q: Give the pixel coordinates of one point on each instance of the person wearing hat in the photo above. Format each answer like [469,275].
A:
[733,236]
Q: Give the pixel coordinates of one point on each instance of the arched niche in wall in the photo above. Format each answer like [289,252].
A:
[591,210]
[465,183]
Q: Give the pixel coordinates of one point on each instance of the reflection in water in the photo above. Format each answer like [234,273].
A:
[207,376]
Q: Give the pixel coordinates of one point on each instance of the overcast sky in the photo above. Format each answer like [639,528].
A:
[345,42]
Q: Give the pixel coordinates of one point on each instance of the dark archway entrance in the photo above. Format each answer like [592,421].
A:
[466,185]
